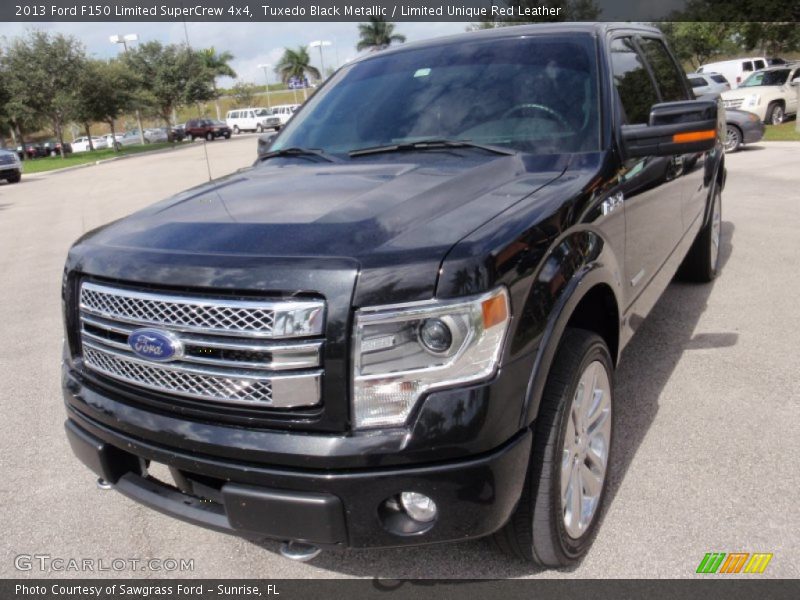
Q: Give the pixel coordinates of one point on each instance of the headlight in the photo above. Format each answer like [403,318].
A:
[753,100]
[402,352]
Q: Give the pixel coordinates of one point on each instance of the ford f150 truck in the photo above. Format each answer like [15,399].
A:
[401,325]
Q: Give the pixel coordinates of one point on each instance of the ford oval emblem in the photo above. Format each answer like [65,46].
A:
[154,344]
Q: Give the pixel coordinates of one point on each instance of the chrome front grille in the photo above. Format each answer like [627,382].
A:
[230,350]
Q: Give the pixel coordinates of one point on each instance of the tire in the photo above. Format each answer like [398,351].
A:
[775,114]
[227,136]
[259,128]
[236,129]
[16,178]
[733,139]
[540,531]
[194,137]
[210,137]
[702,262]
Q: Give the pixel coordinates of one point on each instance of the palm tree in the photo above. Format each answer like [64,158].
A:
[377,35]
[296,63]
[217,64]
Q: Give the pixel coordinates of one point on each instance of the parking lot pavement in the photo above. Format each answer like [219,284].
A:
[708,399]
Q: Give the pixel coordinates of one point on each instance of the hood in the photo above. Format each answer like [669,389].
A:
[395,219]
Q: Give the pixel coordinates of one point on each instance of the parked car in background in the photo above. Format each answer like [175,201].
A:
[10,166]
[209,129]
[31,150]
[735,71]
[155,135]
[252,119]
[53,147]
[742,128]
[129,138]
[179,132]
[113,141]
[81,144]
[284,112]
[774,62]
[707,83]
[770,93]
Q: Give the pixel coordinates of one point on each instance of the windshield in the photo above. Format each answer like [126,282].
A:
[534,95]
[777,77]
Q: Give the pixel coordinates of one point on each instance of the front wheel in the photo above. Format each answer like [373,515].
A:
[210,137]
[15,178]
[775,114]
[259,129]
[733,139]
[558,513]
[702,261]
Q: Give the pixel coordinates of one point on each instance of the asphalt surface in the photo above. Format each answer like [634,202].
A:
[708,400]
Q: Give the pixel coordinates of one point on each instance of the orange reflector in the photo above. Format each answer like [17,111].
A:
[494,310]
[694,136]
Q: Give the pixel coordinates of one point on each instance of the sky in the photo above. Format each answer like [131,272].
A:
[251,44]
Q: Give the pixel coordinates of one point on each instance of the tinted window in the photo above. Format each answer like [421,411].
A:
[668,77]
[719,79]
[633,83]
[697,82]
[759,64]
[536,94]
[747,66]
[777,77]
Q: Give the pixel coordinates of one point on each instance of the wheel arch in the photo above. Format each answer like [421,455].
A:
[589,300]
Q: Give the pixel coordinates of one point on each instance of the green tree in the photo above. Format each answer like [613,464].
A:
[218,64]
[106,90]
[169,77]
[41,70]
[244,93]
[296,63]
[377,34]
[698,42]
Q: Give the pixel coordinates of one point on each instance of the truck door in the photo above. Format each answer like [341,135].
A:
[672,88]
[650,186]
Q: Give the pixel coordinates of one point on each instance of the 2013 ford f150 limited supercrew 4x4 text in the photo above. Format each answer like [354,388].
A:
[401,325]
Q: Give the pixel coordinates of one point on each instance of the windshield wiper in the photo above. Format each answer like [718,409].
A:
[300,152]
[431,144]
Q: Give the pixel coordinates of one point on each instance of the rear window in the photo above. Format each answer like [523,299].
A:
[697,82]
[719,79]
[747,66]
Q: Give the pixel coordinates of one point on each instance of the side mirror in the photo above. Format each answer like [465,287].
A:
[265,142]
[682,127]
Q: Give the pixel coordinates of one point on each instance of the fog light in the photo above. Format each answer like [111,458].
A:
[418,506]
[435,335]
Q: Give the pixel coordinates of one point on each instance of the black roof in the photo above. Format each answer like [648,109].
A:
[529,29]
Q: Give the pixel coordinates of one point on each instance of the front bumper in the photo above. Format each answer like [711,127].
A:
[475,496]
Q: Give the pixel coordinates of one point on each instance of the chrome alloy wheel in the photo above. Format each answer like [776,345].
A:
[716,228]
[586,444]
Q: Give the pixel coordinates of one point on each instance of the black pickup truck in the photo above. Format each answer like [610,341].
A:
[401,325]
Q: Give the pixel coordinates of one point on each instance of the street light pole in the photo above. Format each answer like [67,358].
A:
[266,76]
[124,39]
[319,44]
